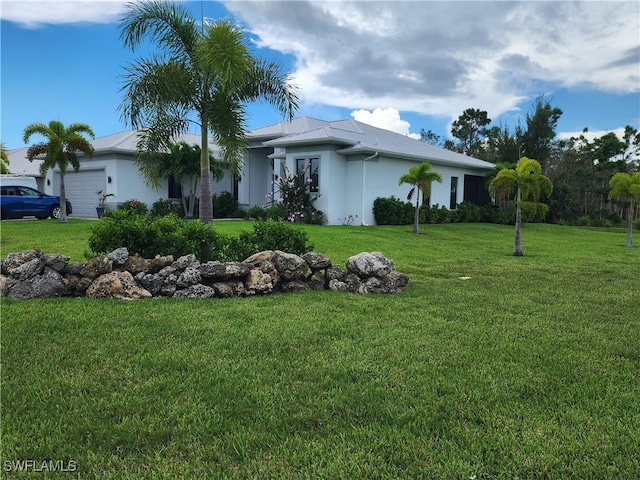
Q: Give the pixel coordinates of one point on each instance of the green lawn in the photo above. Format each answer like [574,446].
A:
[527,370]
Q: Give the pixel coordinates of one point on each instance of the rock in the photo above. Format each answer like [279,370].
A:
[56,261]
[290,266]
[186,261]
[258,258]
[158,263]
[169,285]
[353,281]
[316,261]
[97,266]
[167,271]
[77,285]
[47,285]
[135,264]
[229,289]
[150,281]
[367,264]
[217,271]
[74,268]
[191,276]
[14,260]
[119,256]
[117,285]
[334,272]
[28,269]
[395,281]
[5,283]
[258,282]
[338,286]
[195,291]
[294,286]
[317,281]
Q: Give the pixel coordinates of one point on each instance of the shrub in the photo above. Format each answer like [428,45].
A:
[165,207]
[256,213]
[392,211]
[147,237]
[532,212]
[133,205]
[296,198]
[224,205]
[468,212]
[272,235]
[276,212]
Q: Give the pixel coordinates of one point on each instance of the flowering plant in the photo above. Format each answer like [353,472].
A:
[295,196]
[102,197]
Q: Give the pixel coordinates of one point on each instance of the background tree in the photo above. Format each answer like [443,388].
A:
[4,159]
[206,71]
[528,181]
[537,140]
[60,150]
[470,129]
[182,163]
[421,177]
[628,187]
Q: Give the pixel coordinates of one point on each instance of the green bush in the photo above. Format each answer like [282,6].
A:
[149,236]
[165,207]
[272,235]
[224,205]
[532,212]
[133,205]
[636,224]
[392,211]
[256,213]
[276,213]
[468,212]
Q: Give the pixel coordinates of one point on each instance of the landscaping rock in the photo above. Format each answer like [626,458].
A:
[56,261]
[290,266]
[186,261]
[159,262]
[221,272]
[135,264]
[28,269]
[317,281]
[191,276]
[97,266]
[373,264]
[316,261]
[14,260]
[195,291]
[294,286]
[258,282]
[119,256]
[229,289]
[47,285]
[117,285]
[150,281]
[258,258]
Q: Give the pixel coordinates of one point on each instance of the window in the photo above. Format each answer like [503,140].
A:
[311,169]
[454,193]
[175,190]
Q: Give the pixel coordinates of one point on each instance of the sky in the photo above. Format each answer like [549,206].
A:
[404,66]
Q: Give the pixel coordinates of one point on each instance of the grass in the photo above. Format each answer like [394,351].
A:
[529,369]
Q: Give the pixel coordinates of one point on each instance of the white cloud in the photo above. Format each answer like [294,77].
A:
[591,135]
[36,13]
[439,58]
[387,118]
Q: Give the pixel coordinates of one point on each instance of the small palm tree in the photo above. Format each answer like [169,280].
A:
[60,150]
[421,177]
[4,159]
[528,181]
[626,186]
[204,75]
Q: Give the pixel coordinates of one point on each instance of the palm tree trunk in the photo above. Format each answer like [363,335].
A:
[517,248]
[629,242]
[206,206]
[416,220]
[63,200]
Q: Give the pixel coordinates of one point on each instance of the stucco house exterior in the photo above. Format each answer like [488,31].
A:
[350,164]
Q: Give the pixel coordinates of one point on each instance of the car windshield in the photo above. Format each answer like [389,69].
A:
[28,192]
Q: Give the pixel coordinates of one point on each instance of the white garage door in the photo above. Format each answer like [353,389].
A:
[81,189]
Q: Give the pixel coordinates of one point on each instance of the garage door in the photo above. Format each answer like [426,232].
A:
[81,189]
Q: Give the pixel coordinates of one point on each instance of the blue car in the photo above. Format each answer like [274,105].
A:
[18,201]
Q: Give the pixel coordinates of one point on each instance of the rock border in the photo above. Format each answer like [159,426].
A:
[31,274]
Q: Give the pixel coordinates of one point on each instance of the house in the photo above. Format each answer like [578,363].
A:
[19,165]
[350,165]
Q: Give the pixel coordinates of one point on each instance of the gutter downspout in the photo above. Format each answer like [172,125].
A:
[363,190]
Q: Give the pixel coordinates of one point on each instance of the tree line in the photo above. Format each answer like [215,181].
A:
[580,169]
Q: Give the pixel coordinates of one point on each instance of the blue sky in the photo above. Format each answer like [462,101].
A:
[397,65]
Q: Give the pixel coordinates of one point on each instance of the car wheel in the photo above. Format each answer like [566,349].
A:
[55,212]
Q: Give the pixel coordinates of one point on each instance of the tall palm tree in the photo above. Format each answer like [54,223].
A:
[626,186]
[528,181]
[421,177]
[60,150]
[4,159]
[207,71]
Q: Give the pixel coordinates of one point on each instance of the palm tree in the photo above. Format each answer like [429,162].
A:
[207,71]
[60,150]
[183,164]
[528,181]
[421,177]
[628,187]
[4,159]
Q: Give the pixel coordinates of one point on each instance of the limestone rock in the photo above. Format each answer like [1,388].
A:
[294,286]
[316,261]
[158,263]
[47,285]
[290,266]
[258,258]
[119,256]
[229,289]
[74,268]
[135,264]
[373,264]
[56,261]
[191,276]
[185,261]
[5,283]
[217,271]
[258,282]
[150,281]
[97,266]
[16,259]
[195,291]
[28,269]
[169,285]
[317,281]
[118,285]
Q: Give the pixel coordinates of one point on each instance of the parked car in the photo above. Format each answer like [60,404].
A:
[17,201]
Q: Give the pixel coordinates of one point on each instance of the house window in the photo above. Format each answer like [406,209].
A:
[454,193]
[175,190]
[311,167]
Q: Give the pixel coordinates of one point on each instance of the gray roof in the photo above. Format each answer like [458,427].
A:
[356,137]
[18,163]
[127,141]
